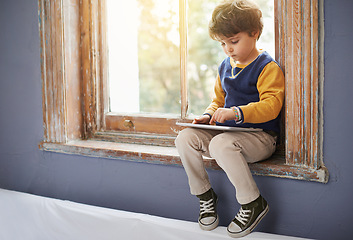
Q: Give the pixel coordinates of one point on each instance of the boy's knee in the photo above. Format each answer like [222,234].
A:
[216,146]
[184,136]
[220,145]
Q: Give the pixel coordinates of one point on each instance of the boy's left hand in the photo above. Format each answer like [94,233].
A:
[222,114]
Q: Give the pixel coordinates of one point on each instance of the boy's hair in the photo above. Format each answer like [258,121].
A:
[234,16]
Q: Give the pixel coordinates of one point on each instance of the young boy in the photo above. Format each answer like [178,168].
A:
[249,93]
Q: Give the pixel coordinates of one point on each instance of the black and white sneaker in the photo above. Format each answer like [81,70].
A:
[208,218]
[248,217]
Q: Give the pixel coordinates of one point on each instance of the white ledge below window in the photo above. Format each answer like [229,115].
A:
[275,166]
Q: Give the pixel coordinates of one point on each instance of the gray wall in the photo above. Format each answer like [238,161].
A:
[313,210]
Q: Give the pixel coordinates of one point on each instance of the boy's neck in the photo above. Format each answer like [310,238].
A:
[252,56]
[241,65]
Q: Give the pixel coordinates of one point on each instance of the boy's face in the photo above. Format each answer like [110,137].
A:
[241,47]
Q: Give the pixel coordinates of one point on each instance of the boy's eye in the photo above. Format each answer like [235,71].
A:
[235,42]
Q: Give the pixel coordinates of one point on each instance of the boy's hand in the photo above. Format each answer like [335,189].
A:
[204,119]
[222,114]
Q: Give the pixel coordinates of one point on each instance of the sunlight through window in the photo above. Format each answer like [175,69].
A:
[144,54]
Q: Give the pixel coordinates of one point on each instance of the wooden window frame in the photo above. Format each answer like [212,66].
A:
[75,117]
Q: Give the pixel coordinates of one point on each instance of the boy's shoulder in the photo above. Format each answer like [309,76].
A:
[225,64]
[262,60]
[265,56]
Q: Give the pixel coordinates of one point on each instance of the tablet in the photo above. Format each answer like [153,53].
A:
[220,128]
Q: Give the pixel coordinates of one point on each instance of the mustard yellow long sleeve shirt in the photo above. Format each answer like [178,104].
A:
[257,89]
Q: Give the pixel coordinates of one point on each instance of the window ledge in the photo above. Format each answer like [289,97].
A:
[275,166]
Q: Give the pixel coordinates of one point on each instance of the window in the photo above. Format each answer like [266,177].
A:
[158,69]
[76,107]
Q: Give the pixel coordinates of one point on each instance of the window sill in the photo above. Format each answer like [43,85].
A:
[275,166]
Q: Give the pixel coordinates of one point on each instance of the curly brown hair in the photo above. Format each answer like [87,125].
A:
[233,16]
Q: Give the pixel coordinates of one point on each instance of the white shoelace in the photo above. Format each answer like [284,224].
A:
[206,206]
[243,216]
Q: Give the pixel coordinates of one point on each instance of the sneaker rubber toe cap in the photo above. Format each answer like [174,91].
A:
[207,220]
[208,223]
[233,228]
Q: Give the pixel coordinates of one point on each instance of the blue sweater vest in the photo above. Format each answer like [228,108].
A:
[240,87]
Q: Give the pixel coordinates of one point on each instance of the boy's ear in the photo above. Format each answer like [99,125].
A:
[255,34]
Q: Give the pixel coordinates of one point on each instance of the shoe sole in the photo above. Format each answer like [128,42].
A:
[249,229]
[211,226]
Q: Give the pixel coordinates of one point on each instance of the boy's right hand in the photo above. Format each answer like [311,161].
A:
[204,119]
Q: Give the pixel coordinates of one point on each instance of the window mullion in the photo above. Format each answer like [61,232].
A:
[183,57]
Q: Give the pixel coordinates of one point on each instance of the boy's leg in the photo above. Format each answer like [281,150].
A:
[233,151]
[192,144]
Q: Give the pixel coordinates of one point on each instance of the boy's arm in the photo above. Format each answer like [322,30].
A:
[218,99]
[271,91]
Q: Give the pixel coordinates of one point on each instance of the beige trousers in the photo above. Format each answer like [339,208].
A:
[232,152]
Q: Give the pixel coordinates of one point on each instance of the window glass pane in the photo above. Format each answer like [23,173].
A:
[205,54]
[267,39]
[143,42]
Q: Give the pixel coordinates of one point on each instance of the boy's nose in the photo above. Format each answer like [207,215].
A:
[229,49]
